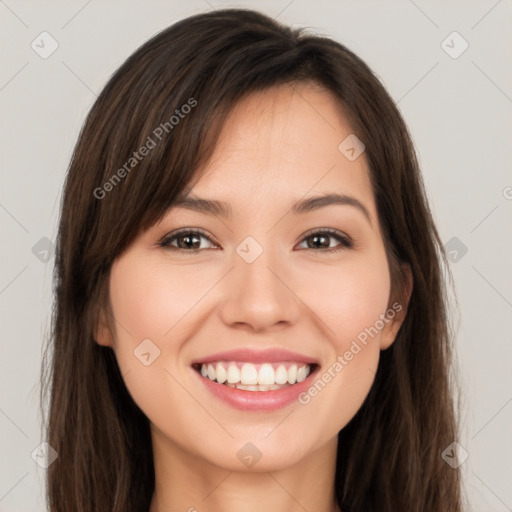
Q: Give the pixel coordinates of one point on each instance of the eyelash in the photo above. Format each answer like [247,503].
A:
[345,241]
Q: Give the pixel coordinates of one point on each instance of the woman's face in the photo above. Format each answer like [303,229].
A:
[261,281]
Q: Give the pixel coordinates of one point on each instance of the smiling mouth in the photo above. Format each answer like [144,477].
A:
[255,377]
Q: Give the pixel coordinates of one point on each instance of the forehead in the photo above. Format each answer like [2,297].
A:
[280,145]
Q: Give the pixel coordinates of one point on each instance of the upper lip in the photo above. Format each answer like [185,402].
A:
[271,355]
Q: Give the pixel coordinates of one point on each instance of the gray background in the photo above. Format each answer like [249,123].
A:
[459,113]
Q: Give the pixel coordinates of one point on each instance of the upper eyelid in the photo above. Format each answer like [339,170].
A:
[184,231]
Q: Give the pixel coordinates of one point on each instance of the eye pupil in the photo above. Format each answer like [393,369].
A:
[316,239]
[188,243]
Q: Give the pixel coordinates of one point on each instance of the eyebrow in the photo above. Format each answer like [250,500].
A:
[222,209]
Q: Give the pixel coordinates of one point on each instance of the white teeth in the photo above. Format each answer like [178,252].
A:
[248,374]
[292,374]
[233,374]
[211,372]
[248,377]
[281,375]
[221,374]
[266,375]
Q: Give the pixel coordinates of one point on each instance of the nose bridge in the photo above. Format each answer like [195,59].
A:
[256,293]
[255,274]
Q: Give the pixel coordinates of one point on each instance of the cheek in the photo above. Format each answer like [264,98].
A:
[150,300]
[349,298]
[154,300]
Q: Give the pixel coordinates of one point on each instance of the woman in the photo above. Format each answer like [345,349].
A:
[250,310]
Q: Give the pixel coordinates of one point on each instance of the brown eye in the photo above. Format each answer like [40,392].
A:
[322,240]
[189,241]
[186,240]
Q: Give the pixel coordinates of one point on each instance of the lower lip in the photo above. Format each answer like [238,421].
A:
[257,400]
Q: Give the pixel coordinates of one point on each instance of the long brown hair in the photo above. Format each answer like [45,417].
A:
[389,455]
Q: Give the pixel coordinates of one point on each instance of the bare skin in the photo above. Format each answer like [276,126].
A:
[278,147]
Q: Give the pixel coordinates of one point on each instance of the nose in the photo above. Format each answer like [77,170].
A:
[259,296]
